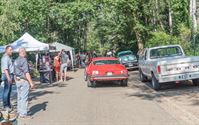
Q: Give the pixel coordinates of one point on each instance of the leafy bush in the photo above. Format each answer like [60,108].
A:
[162,38]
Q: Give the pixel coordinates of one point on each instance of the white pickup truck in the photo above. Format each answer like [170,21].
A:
[168,64]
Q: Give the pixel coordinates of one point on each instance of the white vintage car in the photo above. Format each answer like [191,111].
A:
[168,64]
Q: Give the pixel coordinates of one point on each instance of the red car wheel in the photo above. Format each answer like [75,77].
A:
[91,83]
[85,76]
[124,82]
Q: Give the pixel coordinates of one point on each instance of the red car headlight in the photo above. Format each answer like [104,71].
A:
[95,72]
[124,72]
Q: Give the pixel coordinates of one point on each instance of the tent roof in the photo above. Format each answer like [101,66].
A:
[2,49]
[60,46]
[29,43]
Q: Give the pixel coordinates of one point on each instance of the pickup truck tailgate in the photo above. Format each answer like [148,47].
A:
[179,65]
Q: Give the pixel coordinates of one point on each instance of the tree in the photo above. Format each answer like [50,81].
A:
[9,12]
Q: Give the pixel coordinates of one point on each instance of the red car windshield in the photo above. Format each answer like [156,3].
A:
[104,62]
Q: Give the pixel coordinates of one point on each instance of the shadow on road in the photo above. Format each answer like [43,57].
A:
[57,84]
[108,84]
[38,107]
[36,94]
[184,90]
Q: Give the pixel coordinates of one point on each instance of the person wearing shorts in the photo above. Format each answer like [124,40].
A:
[57,64]
[64,65]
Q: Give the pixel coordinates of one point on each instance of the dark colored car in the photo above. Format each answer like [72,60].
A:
[128,59]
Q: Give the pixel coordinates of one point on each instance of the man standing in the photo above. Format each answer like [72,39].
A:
[94,54]
[23,83]
[64,64]
[7,70]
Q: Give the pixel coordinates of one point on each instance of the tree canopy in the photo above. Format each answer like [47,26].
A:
[100,24]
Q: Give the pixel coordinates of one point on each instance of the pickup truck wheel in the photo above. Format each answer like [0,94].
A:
[195,82]
[155,83]
[143,78]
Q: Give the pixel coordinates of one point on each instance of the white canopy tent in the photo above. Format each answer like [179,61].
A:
[60,46]
[2,49]
[29,43]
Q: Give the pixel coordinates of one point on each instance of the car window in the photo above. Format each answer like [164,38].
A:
[125,54]
[145,55]
[103,62]
[165,52]
[128,58]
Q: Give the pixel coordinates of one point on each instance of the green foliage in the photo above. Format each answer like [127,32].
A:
[98,24]
[161,38]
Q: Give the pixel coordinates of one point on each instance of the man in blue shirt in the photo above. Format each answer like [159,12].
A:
[23,82]
[7,71]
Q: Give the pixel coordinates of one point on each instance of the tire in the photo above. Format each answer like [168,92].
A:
[91,83]
[195,82]
[124,83]
[143,78]
[155,84]
[85,76]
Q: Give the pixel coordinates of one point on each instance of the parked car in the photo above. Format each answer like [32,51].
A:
[128,59]
[168,64]
[105,69]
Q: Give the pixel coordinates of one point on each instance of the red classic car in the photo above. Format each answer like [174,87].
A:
[105,69]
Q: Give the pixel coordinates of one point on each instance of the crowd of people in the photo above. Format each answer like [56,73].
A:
[61,61]
[83,58]
[17,72]
[54,64]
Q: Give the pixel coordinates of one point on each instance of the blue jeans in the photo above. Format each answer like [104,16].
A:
[6,92]
[23,88]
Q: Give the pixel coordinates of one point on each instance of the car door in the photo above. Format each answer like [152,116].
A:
[147,64]
[89,68]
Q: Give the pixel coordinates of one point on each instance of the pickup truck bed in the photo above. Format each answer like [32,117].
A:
[168,64]
[179,69]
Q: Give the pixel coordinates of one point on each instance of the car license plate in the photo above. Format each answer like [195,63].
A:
[185,76]
[109,73]
[130,64]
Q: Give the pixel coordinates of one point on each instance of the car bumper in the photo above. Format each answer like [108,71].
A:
[131,65]
[179,77]
[108,78]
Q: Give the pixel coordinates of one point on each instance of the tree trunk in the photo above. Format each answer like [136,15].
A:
[139,41]
[154,20]
[170,19]
[157,14]
[194,19]
[190,8]
[197,12]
